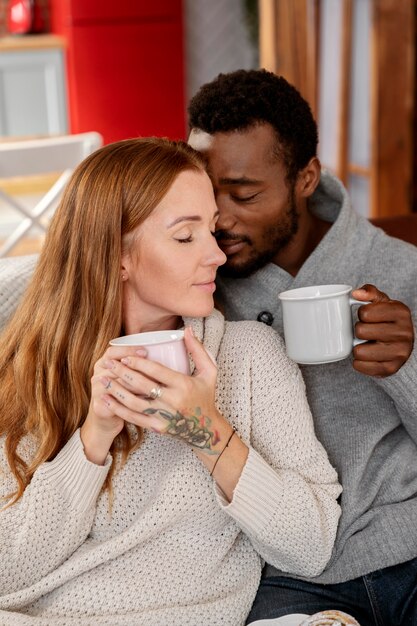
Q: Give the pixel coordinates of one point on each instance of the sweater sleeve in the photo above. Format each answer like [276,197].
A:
[401,387]
[286,497]
[52,518]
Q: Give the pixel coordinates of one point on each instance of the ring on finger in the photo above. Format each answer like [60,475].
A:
[155,392]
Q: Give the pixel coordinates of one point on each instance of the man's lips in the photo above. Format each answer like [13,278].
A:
[231,246]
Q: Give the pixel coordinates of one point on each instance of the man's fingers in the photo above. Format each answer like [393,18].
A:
[387,328]
[385,333]
[384,311]
[370,292]
[398,352]
[377,368]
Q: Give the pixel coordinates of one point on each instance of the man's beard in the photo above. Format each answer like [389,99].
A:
[275,240]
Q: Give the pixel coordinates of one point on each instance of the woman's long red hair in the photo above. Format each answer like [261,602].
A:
[73,305]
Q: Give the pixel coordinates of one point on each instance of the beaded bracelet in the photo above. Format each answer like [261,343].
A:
[227,443]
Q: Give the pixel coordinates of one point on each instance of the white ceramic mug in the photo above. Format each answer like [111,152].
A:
[318,325]
[164,346]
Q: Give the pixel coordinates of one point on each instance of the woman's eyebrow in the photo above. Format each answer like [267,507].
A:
[189,218]
[185,218]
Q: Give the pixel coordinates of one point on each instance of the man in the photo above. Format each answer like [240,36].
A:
[284,223]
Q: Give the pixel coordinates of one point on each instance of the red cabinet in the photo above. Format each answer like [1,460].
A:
[125,66]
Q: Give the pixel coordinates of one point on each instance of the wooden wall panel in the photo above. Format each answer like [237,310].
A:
[345,87]
[289,43]
[393,105]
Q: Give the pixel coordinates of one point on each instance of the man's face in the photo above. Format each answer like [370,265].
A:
[257,205]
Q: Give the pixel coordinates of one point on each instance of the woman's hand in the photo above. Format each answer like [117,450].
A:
[102,425]
[184,407]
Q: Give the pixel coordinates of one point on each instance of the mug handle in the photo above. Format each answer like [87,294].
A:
[353,301]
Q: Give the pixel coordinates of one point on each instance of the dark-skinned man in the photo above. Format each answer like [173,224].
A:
[286,223]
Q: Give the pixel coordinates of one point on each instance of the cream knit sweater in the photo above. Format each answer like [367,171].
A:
[174,551]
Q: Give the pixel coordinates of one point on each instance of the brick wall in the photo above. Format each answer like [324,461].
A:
[43,4]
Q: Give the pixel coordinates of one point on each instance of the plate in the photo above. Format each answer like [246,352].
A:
[287,620]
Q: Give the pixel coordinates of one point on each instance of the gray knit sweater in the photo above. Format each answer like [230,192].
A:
[368,425]
[173,550]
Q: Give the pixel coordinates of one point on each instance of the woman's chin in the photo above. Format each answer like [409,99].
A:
[199,311]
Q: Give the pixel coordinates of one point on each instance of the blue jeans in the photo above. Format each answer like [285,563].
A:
[387,597]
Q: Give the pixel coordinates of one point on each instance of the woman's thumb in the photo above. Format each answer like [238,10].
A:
[203,360]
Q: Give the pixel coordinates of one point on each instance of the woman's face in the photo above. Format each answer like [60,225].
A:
[171,266]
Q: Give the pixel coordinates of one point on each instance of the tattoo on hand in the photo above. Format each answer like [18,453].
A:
[193,429]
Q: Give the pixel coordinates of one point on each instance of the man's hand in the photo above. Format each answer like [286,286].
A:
[388,327]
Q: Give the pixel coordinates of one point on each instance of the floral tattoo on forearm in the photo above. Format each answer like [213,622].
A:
[194,429]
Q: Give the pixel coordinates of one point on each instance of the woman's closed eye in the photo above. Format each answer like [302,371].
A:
[189,239]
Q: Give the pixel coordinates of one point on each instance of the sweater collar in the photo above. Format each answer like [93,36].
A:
[330,202]
[209,330]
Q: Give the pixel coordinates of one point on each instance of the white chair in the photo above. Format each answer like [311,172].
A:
[15,274]
[31,157]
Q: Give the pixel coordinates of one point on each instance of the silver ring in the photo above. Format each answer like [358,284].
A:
[155,392]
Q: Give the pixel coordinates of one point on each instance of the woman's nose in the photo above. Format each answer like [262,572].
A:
[216,256]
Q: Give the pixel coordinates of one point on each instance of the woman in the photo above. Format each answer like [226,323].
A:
[110,518]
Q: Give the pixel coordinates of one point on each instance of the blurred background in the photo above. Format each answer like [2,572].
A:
[126,68]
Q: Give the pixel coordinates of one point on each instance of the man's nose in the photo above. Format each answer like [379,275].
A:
[227,217]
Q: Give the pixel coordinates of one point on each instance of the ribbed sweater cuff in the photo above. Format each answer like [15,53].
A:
[255,495]
[401,386]
[73,476]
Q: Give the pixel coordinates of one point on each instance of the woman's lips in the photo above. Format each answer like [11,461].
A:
[230,246]
[210,287]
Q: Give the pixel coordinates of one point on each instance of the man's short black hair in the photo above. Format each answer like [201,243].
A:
[245,98]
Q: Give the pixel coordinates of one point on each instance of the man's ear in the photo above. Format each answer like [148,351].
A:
[308,178]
